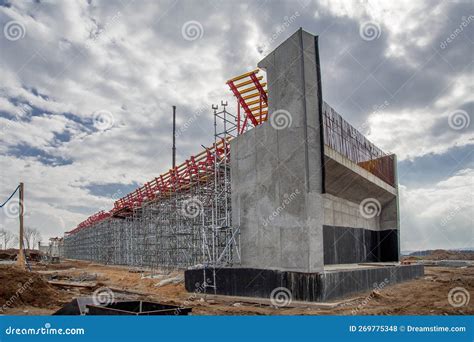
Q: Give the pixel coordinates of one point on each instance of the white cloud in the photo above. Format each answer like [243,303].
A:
[409,133]
[440,216]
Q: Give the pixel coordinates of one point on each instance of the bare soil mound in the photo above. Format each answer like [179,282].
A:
[19,287]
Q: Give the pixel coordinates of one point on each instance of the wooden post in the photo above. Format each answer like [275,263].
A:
[21,254]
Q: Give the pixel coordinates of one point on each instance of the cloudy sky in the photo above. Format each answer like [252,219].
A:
[86,89]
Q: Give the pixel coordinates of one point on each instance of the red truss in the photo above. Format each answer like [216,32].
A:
[194,170]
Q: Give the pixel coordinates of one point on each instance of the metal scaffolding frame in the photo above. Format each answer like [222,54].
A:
[182,218]
[186,223]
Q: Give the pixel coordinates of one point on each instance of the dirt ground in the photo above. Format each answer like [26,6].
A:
[22,288]
[425,296]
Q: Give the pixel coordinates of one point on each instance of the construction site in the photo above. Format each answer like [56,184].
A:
[290,211]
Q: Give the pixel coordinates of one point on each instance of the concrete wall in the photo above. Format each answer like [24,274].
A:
[343,213]
[278,179]
[276,173]
[351,233]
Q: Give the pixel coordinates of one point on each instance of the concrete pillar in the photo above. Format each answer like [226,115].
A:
[277,174]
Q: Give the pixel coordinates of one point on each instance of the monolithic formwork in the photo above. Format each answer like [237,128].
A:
[181,219]
[289,196]
[313,198]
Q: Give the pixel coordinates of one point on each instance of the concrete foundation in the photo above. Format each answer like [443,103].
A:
[334,283]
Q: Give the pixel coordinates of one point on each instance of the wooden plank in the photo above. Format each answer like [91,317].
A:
[256,71]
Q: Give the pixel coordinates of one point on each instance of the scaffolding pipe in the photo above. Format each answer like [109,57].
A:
[174,138]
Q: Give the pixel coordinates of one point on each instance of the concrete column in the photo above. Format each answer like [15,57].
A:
[277,177]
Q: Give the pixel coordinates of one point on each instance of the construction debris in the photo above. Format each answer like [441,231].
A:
[175,280]
[89,285]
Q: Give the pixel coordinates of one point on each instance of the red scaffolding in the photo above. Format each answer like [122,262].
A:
[194,170]
[251,96]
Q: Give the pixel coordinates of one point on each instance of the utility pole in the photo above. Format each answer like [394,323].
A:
[174,137]
[21,254]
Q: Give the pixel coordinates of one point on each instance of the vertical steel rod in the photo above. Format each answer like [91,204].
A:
[174,137]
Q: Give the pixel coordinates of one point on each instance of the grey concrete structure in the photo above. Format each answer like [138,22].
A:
[372,236]
[332,284]
[276,173]
[313,198]
[299,202]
